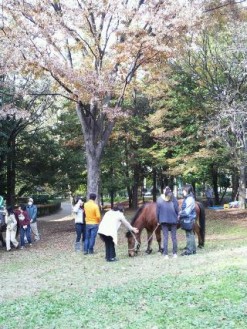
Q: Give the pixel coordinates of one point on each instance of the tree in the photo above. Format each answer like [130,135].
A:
[92,50]
[222,61]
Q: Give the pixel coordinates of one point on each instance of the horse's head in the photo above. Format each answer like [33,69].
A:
[133,244]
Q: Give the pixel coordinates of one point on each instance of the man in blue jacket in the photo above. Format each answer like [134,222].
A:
[32,212]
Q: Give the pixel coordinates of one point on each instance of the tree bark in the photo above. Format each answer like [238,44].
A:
[154,185]
[242,185]
[235,185]
[214,171]
[135,187]
[96,131]
[11,171]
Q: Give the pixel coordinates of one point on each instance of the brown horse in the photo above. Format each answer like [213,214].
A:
[145,217]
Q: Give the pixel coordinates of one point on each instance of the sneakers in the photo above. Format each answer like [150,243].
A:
[112,260]
[21,247]
[175,256]
[166,257]
[186,253]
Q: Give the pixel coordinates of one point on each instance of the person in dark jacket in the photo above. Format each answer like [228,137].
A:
[32,213]
[167,215]
[23,221]
[188,213]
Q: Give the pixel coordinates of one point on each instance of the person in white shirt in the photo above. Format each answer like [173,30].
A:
[11,229]
[78,211]
[108,229]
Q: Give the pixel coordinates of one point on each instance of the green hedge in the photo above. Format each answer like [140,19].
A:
[48,209]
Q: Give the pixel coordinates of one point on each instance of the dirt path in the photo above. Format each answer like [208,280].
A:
[63,214]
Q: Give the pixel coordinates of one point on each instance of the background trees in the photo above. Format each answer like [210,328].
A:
[92,50]
[141,77]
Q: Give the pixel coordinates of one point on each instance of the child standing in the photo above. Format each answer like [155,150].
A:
[24,224]
[11,228]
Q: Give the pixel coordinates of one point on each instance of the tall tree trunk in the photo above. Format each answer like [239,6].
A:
[96,129]
[11,171]
[214,173]
[154,185]
[2,177]
[242,185]
[135,186]
[130,196]
[93,173]
[235,185]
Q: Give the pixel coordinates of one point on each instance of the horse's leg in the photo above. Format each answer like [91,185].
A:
[158,238]
[150,239]
[197,231]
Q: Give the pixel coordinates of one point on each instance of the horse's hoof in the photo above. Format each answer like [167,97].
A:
[161,250]
[149,251]
[200,246]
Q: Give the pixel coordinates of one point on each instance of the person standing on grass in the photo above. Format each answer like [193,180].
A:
[24,225]
[11,228]
[108,229]
[188,214]
[167,215]
[32,213]
[92,219]
[78,210]
[210,196]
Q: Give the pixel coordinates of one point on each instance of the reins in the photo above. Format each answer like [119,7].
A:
[138,244]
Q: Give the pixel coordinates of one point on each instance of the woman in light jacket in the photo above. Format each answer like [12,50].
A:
[11,229]
[108,229]
[78,211]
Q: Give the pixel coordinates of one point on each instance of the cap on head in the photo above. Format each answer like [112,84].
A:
[30,199]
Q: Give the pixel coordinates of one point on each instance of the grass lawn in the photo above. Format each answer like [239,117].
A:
[48,285]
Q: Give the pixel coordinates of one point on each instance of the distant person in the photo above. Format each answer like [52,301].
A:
[1,201]
[108,229]
[187,215]
[2,220]
[167,215]
[78,211]
[32,213]
[11,229]
[92,219]
[24,225]
[210,196]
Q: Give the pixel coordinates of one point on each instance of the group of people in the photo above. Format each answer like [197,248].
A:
[88,223]
[169,217]
[22,220]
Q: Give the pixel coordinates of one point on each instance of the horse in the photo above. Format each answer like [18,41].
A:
[145,218]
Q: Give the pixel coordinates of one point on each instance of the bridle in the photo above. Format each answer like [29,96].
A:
[136,245]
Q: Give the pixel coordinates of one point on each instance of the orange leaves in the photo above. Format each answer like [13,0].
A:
[94,48]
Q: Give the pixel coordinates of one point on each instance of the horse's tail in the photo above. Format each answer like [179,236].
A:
[202,220]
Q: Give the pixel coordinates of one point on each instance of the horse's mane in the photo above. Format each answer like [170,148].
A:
[137,214]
